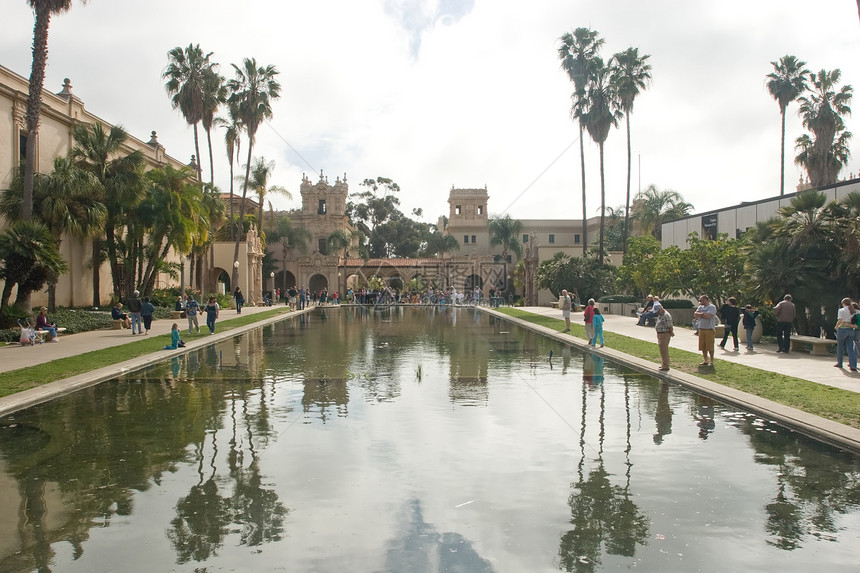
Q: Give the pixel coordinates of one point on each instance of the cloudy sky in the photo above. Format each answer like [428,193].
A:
[465,93]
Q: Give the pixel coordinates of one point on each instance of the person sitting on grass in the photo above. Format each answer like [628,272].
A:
[117,314]
[175,341]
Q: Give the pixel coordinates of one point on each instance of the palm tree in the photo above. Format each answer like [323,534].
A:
[600,115]
[251,92]
[28,258]
[340,242]
[822,111]
[261,172]
[64,200]
[289,237]
[186,75]
[438,244]
[653,206]
[214,95]
[43,10]
[577,52]
[506,232]
[121,187]
[630,74]
[785,84]
[232,142]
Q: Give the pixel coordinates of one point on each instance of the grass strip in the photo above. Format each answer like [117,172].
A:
[25,378]
[826,401]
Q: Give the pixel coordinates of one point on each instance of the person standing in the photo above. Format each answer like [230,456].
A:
[588,314]
[707,315]
[665,332]
[134,304]
[146,312]
[303,297]
[240,299]
[597,320]
[785,312]
[192,308]
[564,304]
[212,310]
[749,315]
[845,328]
[731,316]
[293,294]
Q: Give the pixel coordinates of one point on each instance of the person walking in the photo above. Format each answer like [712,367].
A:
[134,304]
[146,312]
[240,299]
[707,315]
[846,325]
[212,310]
[785,312]
[731,316]
[597,321]
[564,305]
[588,314]
[749,315]
[192,309]
[665,332]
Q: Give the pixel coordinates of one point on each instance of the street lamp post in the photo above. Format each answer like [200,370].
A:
[272,276]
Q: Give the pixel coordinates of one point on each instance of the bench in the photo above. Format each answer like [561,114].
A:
[819,345]
[174,314]
[43,334]
[118,324]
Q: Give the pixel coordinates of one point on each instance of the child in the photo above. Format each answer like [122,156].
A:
[597,321]
[174,338]
[749,313]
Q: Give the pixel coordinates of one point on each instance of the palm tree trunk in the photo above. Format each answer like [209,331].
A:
[197,150]
[211,160]
[97,264]
[602,204]
[627,204]
[235,278]
[34,102]
[584,213]
[782,153]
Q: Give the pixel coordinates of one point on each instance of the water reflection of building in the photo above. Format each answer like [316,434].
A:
[324,394]
[468,366]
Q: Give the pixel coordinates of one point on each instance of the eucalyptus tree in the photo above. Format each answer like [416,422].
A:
[652,207]
[371,209]
[186,74]
[64,200]
[252,91]
[786,83]
[601,114]
[121,188]
[823,109]
[577,53]
[261,173]
[630,74]
[43,11]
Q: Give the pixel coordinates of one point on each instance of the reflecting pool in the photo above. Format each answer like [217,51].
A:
[412,440]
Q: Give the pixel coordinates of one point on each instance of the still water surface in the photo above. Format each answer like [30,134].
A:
[412,440]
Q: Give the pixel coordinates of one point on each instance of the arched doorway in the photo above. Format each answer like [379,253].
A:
[473,281]
[288,280]
[222,285]
[396,282]
[317,283]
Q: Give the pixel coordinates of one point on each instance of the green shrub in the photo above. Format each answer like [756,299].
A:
[165,296]
[10,335]
[11,314]
[75,320]
[618,298]
[676,303]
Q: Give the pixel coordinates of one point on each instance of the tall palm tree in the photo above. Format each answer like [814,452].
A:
[577,52]
[186,75]
[214,96]
[506,232]
[601,115]
[785,84]
[43,10]
[232,143]
[261,172]
[822,111]
[121,187]
[289,237]
[653,206]
[252,91]
[630,74]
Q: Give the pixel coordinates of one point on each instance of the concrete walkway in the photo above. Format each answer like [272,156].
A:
[765,357]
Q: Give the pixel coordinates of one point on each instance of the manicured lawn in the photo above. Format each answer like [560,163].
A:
[26,378]
[825,401]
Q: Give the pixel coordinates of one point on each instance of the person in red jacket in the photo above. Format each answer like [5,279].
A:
[588,313]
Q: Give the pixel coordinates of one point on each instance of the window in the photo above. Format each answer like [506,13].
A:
[465,239]
[552,239]
[508,258]
[525,238]
[22,146]
[322,246]
[576,239]
[321,209]
[473,240]
[458,209]
[480,209]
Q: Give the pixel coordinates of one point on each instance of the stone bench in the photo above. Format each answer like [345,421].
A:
[176,314]
[118,324]
[43,334]
[819,345]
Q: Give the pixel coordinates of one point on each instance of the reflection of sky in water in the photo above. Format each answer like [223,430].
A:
[412,441]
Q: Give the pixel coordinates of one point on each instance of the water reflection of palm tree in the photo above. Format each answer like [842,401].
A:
[601,513]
